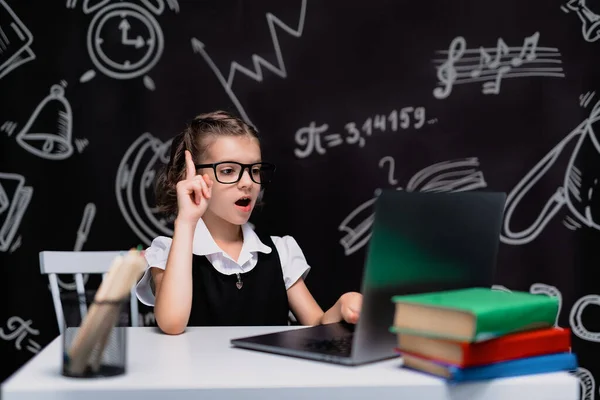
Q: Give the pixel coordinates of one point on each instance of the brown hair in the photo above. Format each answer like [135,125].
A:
[195,138]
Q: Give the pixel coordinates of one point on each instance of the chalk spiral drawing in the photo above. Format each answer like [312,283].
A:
[576,192]
[141,38]
[590,21]
[15,41]
[447,176]
[134,186]
[18,329]
[259,62]
[316,139]
[14,200]
[493,65]
[586,379]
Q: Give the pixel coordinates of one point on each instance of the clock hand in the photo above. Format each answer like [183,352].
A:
[124,27]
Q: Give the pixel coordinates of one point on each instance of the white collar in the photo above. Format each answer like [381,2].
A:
[204,244]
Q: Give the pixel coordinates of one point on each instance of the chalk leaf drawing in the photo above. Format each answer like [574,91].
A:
[48,132]
[14,200]
[577,192]
[17,330]
[15,41]
[447,176]
[256,74]
[494,65]
[590,21]
[124,28]
[134,186]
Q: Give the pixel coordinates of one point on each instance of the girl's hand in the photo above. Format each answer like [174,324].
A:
[350,306]
[193,193]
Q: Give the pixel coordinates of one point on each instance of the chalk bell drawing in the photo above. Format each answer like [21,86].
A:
[493,65]
[590,21]
[577,192]
[48,132]
[14,200]
[124,28]
[256,74]
[447,176]
[15,41]
[134,187]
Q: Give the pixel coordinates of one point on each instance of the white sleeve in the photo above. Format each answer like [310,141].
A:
[156,256]
[293,262]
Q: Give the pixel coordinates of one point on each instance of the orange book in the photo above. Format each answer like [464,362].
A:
[509,347]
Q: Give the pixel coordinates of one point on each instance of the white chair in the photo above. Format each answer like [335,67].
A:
[79,263]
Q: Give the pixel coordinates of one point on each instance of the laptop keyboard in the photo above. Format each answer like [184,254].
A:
[341,346]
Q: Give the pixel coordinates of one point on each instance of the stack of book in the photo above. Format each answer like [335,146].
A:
[479,334]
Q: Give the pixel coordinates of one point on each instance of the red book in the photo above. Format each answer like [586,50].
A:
[509,347]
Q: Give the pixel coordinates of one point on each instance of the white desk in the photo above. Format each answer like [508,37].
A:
[201,364]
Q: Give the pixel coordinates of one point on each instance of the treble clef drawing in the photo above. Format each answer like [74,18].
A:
[446,73]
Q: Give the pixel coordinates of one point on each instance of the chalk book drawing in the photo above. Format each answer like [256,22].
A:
[15,41]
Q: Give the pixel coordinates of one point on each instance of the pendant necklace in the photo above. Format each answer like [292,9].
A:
[239,282]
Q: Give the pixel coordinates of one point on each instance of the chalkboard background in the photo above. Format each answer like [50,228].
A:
[348,99]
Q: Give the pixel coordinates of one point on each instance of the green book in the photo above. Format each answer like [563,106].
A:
[472,315]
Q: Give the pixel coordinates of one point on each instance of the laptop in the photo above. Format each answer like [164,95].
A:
[420,242]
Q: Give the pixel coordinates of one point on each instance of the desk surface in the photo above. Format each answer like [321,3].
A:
[201,364]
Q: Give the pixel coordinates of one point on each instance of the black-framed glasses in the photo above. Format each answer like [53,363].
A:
[231,171]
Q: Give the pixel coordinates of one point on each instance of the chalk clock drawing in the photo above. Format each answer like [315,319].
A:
[590,21]
[447,176]
[14,200]
[256,74]
[15,41]
[134,187]
[577,191]
[137,47]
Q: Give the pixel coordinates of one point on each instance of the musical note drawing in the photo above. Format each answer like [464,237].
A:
[18,329]
[493,65]
[256,74]
[590,21]
[577,192]
[447,176]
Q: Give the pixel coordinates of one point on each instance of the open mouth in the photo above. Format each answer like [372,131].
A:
[243,202]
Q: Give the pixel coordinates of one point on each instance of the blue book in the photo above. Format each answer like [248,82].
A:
[525,366]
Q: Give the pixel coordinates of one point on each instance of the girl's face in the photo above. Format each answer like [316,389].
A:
[232,202]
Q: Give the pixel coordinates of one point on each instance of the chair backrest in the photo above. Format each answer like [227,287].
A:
[79,263]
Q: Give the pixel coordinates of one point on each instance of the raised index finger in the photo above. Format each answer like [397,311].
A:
[189,165]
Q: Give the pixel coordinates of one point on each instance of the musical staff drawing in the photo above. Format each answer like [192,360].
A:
[491,66]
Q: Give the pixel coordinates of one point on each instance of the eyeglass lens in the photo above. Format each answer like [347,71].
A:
[231,172]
